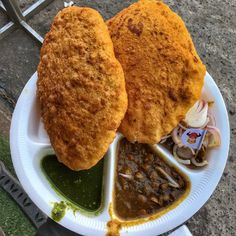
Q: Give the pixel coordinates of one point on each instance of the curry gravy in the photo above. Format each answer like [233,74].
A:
[142,187]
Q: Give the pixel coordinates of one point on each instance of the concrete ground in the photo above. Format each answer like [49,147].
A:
[212,24]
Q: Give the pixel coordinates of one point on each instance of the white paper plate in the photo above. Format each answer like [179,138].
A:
[29,143]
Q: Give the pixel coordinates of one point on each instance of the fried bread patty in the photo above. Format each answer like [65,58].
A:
[163,72]
[80,88]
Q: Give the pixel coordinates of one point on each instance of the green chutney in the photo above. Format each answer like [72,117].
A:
[58,211]
[82,188]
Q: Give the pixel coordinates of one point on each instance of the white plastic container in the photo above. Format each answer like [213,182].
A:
[29,143]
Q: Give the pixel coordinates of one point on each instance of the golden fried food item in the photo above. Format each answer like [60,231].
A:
[163,72]
[80,88]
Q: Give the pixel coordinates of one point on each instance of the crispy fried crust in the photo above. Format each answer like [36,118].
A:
[164,75]
[81,87]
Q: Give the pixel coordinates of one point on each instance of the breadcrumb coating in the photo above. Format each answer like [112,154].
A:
[163,72]
[80,88]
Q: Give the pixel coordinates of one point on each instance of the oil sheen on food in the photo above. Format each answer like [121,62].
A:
[145,184]
[82,188]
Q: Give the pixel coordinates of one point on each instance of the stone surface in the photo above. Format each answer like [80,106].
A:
[3,19]
[212,24]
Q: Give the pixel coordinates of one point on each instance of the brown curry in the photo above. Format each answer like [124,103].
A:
[145,184]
